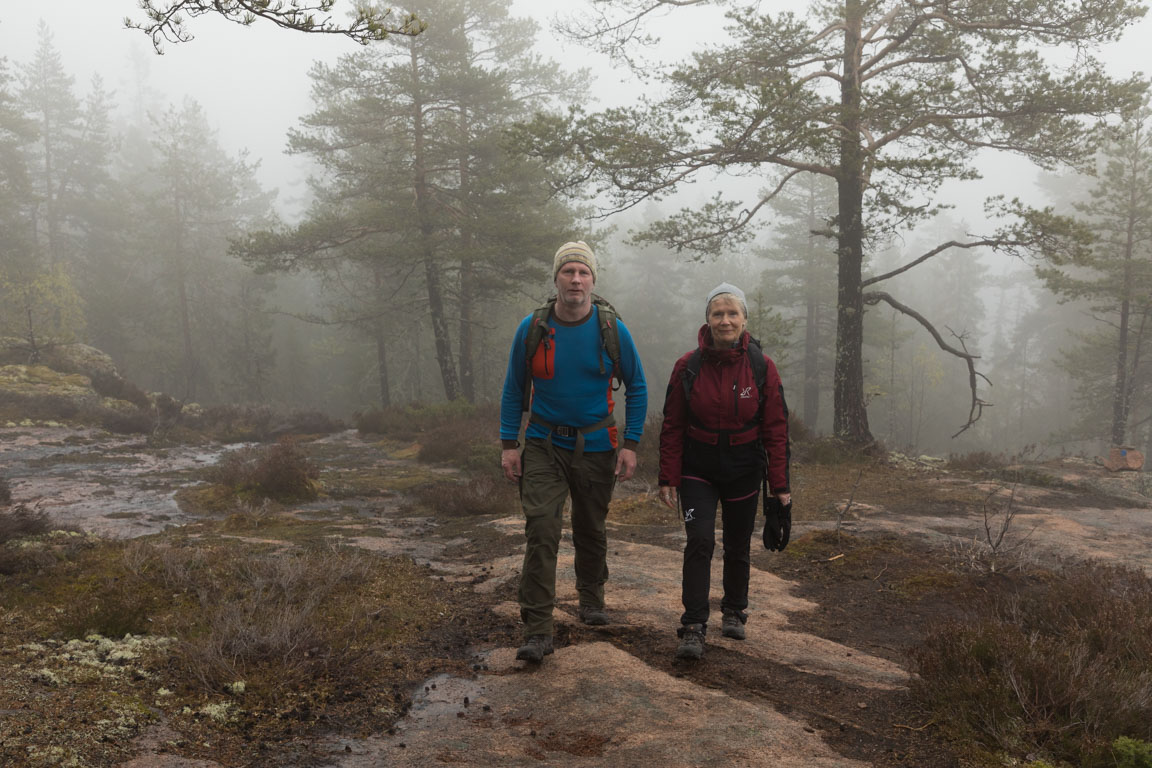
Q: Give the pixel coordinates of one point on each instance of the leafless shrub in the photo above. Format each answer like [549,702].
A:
[485,495]
[993,548]
[841,514]
[1053,665]
[281,471]
[250,516]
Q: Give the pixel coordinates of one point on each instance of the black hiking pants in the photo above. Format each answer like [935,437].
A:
[699,498]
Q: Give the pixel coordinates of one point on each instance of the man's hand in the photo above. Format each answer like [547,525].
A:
[626,464]
[668,495]
[785,498]
[510,463]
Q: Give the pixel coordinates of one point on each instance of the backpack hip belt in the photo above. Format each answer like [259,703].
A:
[565,430]
[731,437]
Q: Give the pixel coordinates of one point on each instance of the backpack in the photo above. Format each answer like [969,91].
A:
[538,333]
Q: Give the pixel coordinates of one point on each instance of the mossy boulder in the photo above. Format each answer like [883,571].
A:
[37,381]
[64,358]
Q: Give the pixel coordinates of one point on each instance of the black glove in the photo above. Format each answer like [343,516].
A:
[777,524]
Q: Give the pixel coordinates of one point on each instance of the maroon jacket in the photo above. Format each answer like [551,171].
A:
[724,397]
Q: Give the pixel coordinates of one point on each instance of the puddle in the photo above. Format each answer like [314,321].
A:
[109,485]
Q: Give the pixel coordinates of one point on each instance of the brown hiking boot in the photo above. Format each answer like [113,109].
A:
[535,648]
[732,627]
[593,617]
[691,641]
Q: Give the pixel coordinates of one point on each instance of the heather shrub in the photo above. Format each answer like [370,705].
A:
[22,522]
[134,422]
[1056,665]
[484,495]
[305,423]
[833,451]
[975,461]
[280,471]
[408,421]
[18,524]
[108,384]
[111,609]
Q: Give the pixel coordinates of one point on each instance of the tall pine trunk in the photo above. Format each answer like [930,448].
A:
[467,272]
[850,417]
[432,273]
[380,334]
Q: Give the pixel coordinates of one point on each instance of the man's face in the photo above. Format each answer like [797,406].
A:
[574,284]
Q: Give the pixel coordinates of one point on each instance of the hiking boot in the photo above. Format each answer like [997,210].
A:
[535,648]
[691,641]
[593,617]
[732,627]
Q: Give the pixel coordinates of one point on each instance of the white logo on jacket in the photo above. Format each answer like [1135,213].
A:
[746,393]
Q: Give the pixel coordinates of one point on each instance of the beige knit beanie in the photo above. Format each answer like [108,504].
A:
[577,251]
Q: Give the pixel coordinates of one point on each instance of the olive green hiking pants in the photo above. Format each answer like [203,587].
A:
[548,477]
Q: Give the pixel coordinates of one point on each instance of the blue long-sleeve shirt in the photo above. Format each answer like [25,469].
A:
[568,387]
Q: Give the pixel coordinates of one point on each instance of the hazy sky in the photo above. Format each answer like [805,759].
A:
[252,81]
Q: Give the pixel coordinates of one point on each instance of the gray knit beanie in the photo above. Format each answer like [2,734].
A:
[722,290]
[577,251]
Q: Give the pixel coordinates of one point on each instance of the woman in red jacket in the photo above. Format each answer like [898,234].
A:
[719,426]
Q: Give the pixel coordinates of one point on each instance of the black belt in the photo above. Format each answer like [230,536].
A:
[564,430]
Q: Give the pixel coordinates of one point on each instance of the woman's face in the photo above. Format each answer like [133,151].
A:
[727,321]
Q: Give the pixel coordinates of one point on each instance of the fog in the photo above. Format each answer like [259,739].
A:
[350,333]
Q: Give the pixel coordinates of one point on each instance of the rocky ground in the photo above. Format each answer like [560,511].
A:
[881,548]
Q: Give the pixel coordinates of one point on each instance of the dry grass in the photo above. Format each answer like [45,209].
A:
[1055,664]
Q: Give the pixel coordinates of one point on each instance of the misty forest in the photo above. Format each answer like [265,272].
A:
[967,365]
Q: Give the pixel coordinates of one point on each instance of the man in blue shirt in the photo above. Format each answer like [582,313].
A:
[571,441]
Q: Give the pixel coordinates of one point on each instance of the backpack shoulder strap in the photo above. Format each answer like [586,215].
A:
[537,330]
[609,333]
[759,367]
[691,371]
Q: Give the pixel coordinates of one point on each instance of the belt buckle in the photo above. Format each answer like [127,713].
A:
[565,431]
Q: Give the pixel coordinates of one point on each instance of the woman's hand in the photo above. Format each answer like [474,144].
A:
[785,498]
[668,495]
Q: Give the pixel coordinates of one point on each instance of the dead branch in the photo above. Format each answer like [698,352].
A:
[978,405]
